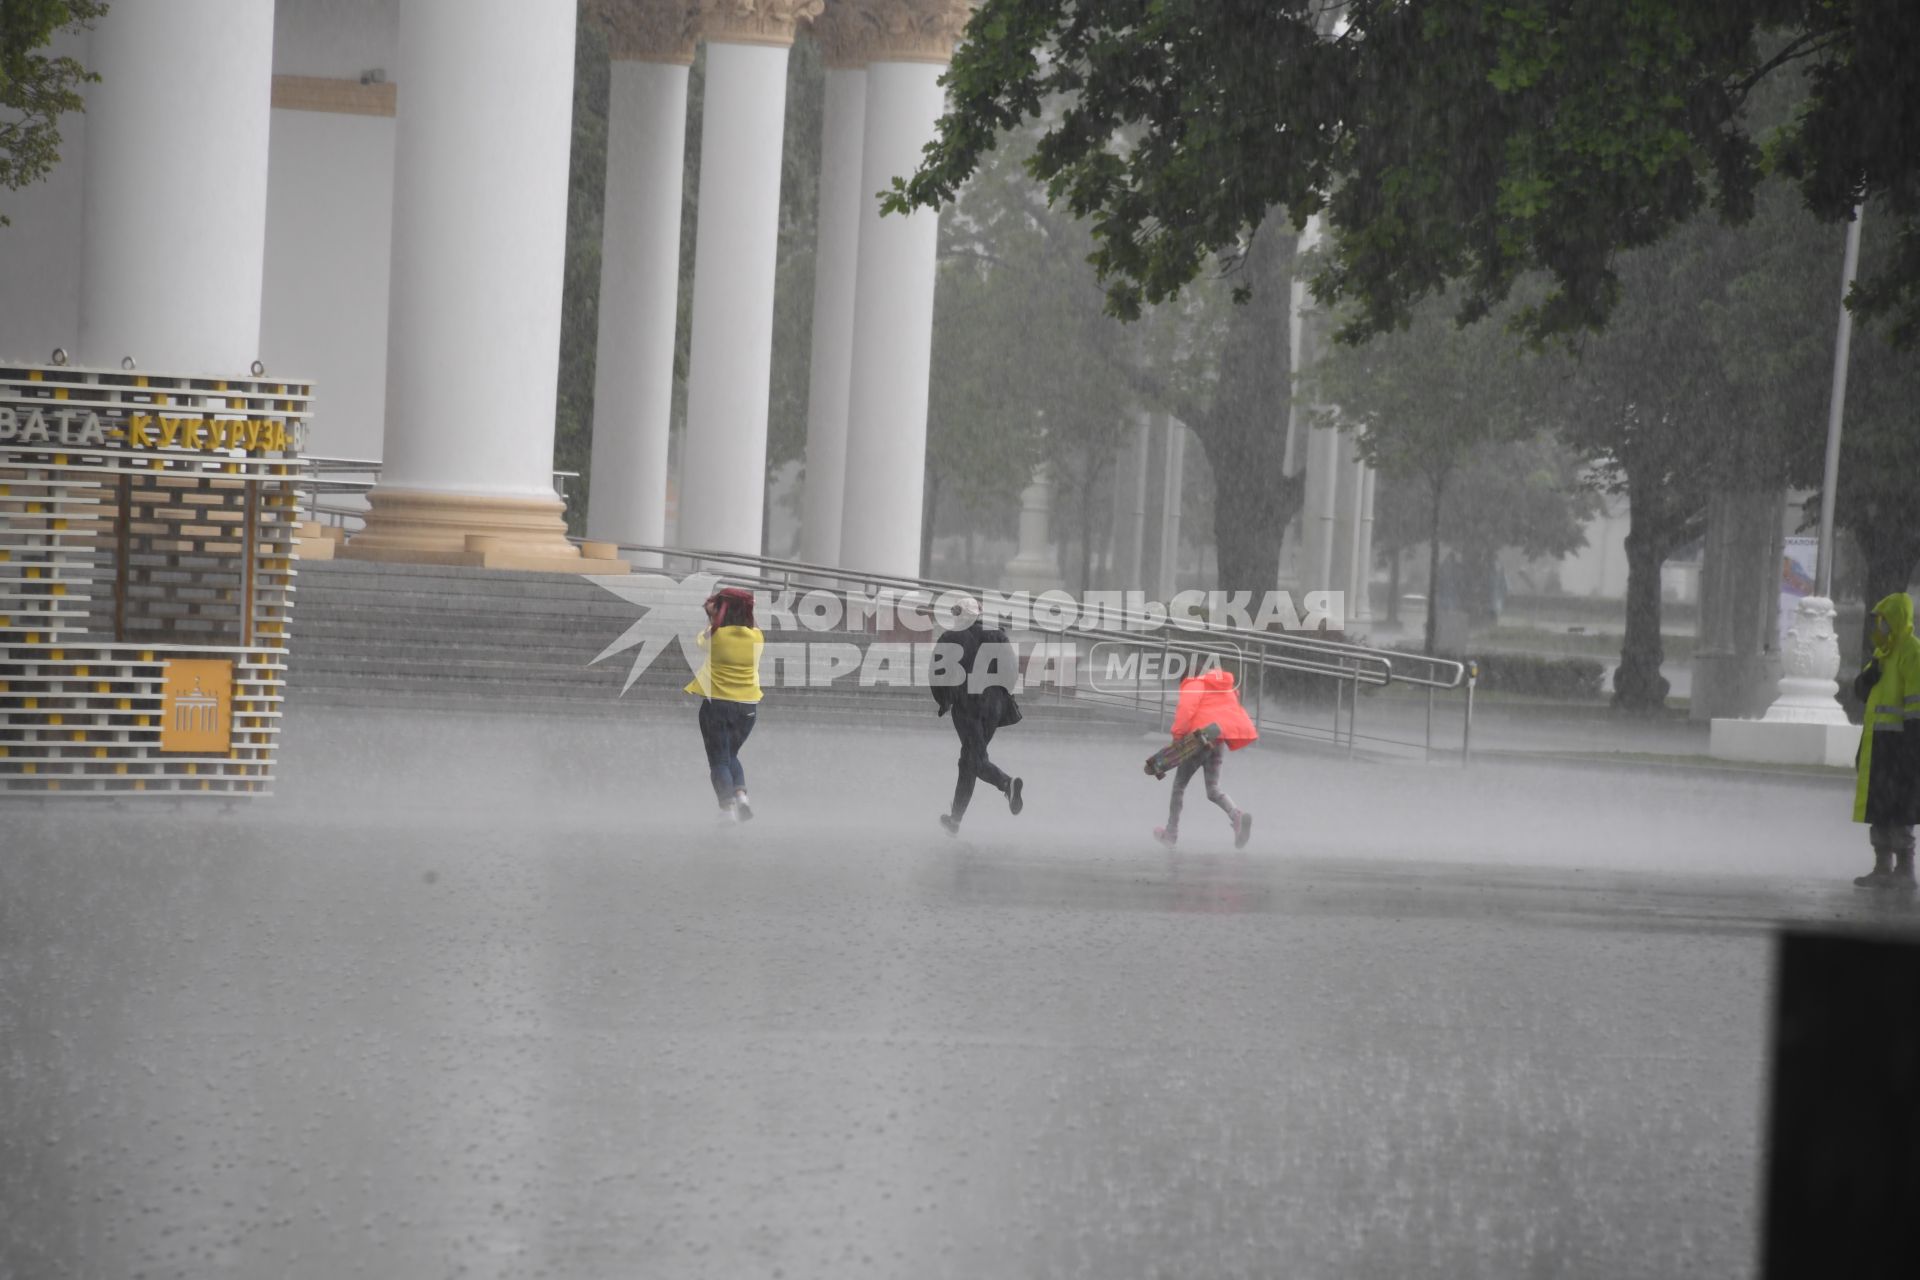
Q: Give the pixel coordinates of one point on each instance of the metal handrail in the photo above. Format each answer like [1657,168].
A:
[1388,660]
[1343,662]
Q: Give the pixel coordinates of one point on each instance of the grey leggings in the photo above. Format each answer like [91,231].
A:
[1209,762]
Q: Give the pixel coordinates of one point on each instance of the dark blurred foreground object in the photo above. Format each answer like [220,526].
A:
[1843,1182]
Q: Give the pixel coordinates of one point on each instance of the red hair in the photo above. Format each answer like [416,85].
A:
[733,607]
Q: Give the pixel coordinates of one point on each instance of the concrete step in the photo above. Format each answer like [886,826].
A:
[443,636]
[861,716]
[376,691]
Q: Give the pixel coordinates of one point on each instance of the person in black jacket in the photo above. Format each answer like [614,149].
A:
[975,670]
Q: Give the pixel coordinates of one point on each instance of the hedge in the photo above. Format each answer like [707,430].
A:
[1534,676]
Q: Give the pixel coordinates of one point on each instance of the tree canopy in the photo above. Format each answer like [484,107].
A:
[1452,145]
[36,88]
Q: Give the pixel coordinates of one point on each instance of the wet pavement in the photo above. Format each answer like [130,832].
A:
[485,997]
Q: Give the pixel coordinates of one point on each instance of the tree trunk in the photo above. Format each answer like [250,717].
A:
[1086,520]
[1638,684]
[1393,587]
[1250,513]
[1439,488]
[1244,431]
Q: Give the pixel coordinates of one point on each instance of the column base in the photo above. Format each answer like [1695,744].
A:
[1784,742]
[316,541]
[483,531]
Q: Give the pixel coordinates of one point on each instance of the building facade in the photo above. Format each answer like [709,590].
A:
[370,195]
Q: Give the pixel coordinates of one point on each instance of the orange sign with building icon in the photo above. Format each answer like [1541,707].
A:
[198,707]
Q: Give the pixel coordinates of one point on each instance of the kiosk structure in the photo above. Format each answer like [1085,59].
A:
[147,527]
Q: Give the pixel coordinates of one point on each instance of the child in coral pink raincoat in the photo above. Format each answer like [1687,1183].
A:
[1205,699]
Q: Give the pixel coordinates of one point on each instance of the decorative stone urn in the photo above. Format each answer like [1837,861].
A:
[1809,662]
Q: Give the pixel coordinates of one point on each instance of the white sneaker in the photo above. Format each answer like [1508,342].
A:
[727,817]
[742,807]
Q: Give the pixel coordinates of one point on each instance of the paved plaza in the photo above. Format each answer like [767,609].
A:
[495,997]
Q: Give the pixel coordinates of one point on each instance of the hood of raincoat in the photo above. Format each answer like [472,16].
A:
[1209,698]
[1897,609]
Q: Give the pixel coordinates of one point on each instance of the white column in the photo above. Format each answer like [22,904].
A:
[835,260]
[175,214]
[479,240]
[1361,609]
[639,272]
[723,472]
[892,330]
[1174,479]
[1326,449]
[1127,543]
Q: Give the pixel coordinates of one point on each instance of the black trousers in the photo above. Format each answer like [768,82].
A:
[974,737]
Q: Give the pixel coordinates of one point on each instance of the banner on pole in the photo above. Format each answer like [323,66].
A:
[1799,564]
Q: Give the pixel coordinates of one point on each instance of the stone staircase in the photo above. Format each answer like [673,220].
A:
[434,637]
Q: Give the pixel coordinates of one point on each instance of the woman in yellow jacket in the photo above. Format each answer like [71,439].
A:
[729,687]
[1887,790]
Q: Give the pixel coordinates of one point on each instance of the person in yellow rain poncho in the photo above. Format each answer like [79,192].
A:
[1887,791]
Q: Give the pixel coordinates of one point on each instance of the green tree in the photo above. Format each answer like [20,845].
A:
[1455,142]
[982,440]
[1439,410]
[1644,402]
[36,89]
[1026,368]
[1219,368]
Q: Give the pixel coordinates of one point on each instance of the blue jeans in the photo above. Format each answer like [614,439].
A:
[724,727]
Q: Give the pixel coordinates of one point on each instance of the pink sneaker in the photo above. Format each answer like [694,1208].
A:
[1165,836]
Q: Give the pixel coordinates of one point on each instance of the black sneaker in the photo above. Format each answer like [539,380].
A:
[951,823]
[1014,802]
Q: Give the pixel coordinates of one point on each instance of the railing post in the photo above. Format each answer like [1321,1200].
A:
[1429,747]
[1165,645]
[1353,712]
[1260,690]
[1136,683]
[1339,696]
[1466,732]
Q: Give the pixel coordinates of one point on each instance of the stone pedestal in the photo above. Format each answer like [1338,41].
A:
[1033,568]
[1805,724]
